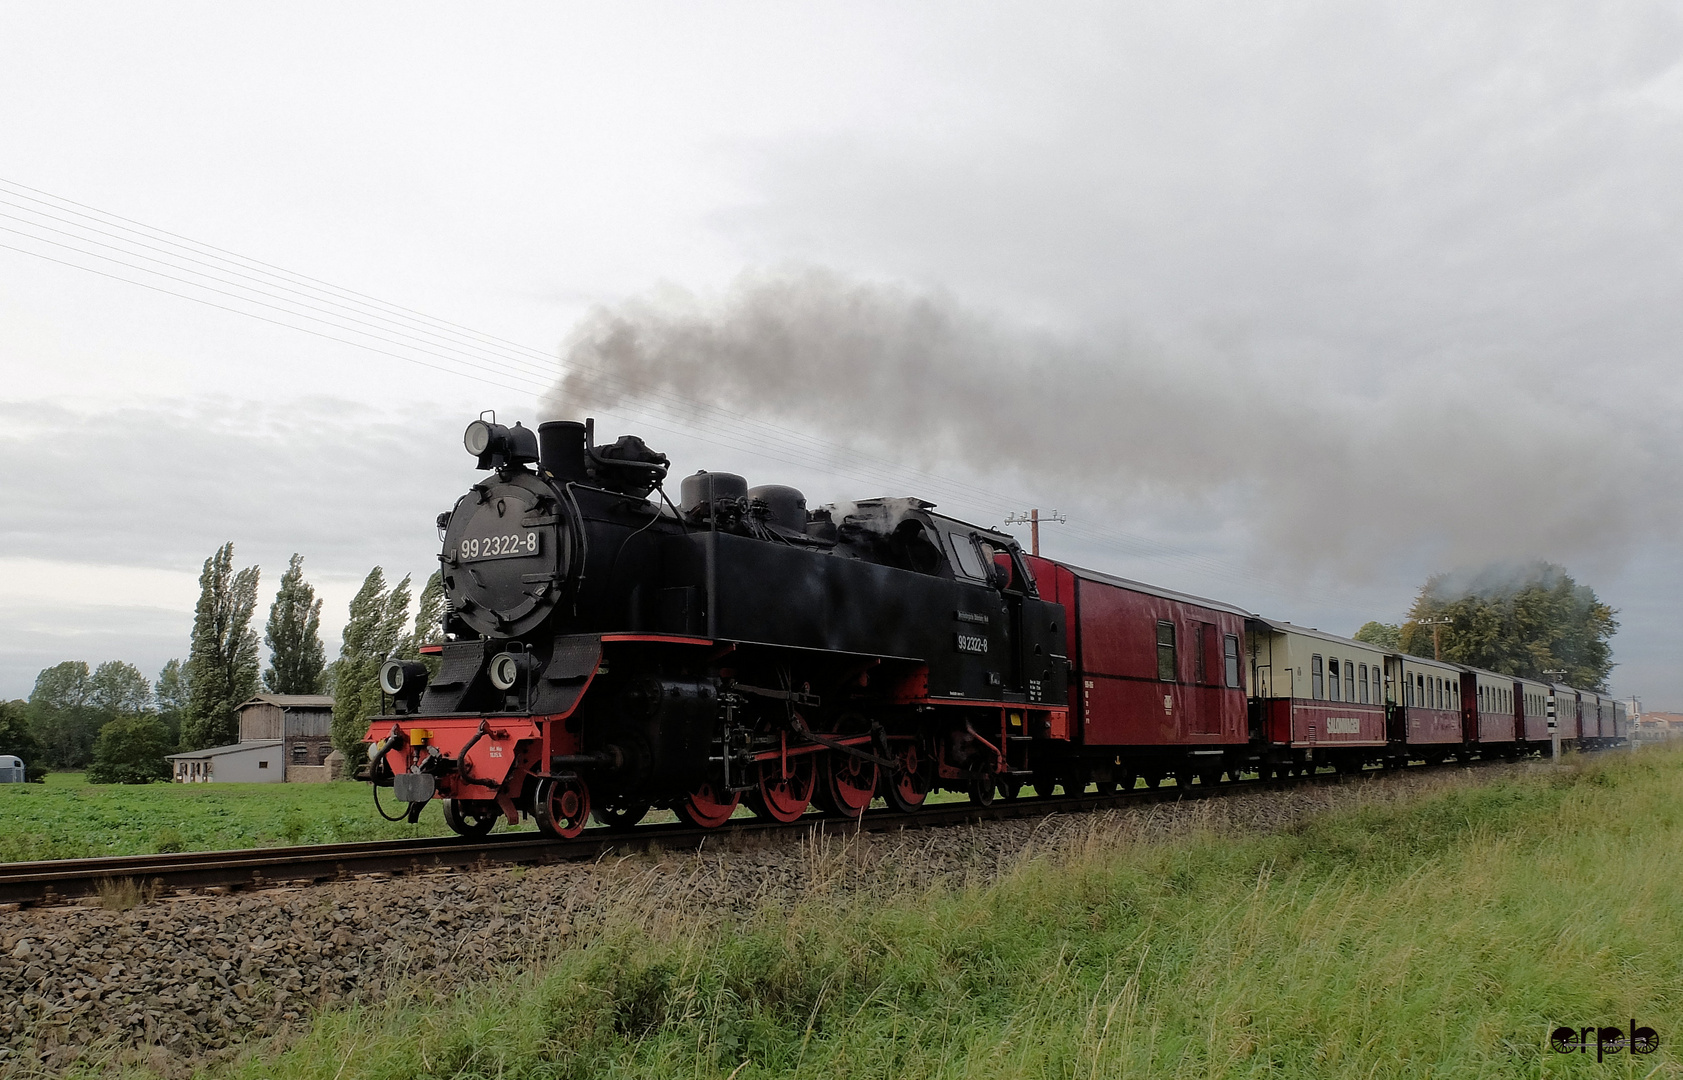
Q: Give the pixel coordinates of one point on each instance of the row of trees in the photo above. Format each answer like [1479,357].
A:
[120,727]
[1520,621]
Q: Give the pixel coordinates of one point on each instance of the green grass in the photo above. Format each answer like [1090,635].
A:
[1443,935]
[68,818]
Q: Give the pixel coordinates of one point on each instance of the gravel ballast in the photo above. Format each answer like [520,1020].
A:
[187,981]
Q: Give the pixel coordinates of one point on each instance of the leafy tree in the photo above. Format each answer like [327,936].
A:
[1384,635]
[222,666]
[117,690]
[17,736]
[1519,622]
[62,715]
[131,750]
[171,698]
[429,624]
[373,635]
[294,635]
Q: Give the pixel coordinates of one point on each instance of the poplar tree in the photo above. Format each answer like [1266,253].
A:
[222,666]
[429,625]
[296,657]
[373,635]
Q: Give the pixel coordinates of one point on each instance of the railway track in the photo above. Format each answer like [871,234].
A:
[67,880]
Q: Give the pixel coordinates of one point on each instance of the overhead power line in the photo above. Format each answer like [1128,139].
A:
[122,249]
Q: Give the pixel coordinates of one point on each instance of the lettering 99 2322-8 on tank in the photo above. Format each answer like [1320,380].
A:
[505,546]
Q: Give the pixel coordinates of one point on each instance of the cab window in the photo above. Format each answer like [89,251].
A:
[965,557]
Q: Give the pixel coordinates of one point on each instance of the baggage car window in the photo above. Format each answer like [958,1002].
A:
[1230,651]
[1166,651]
[1317,678]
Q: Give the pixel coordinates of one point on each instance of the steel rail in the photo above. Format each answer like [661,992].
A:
[62,880]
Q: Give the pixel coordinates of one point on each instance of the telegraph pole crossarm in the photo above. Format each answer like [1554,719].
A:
[1033,519]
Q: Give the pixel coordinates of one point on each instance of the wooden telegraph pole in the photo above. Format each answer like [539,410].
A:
[1436,625]
[1033,519]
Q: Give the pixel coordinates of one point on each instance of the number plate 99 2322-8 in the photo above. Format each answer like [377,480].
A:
[505,546]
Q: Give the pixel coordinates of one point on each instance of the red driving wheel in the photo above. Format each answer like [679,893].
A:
[784,794]
[707,807]
[906,787]
[849,784]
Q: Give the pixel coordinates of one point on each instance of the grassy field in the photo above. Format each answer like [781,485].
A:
[1442,936]
[69,818]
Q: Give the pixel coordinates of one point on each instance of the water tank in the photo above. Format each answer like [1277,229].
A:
[704,487]
[787,506]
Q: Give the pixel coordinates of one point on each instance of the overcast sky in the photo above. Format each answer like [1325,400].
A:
[1290,305]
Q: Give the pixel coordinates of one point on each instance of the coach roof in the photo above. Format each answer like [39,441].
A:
[1155,590]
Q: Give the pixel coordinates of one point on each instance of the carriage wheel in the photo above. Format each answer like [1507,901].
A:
[1125,780]
[620,816]
[471,817]
[1153,778]
[784,798]
[981,790]
[1105,787]
[562,806]
[1044,783]
[708,806]
[849,784]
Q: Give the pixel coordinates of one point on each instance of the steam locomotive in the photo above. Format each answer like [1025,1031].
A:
[605,652]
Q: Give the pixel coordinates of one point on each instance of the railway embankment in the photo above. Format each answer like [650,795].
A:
[1432,917]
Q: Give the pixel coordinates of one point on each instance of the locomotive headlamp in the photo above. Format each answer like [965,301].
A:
[497,446]
[479,436]
[402,677]
[506,669]
[404,681]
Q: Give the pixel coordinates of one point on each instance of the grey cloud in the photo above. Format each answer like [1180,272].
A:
[161,484]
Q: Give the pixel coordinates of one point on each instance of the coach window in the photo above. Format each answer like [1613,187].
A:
[1361,673]
[1332,670]
[1349,680]
[1317,678]
[1166,651]
[1425,688]
[1230,657]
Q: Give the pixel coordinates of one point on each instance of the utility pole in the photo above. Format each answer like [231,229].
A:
[1554,729]
[1436,624]
[1033,519]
